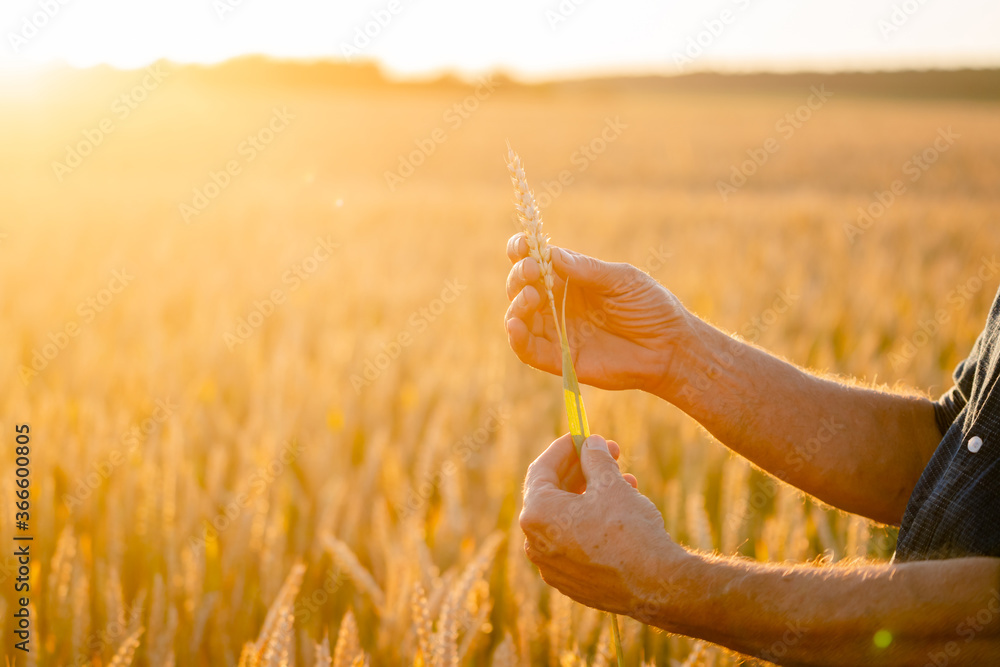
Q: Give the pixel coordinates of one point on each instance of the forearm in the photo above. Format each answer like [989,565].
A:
[809,431]
[905,614]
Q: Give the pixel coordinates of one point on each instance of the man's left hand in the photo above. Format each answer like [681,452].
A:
[593,536]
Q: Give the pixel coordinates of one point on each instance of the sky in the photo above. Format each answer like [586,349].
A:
[531,40]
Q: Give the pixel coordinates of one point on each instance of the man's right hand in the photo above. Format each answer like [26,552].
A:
[622,325]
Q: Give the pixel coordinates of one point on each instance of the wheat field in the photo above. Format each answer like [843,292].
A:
[286,428]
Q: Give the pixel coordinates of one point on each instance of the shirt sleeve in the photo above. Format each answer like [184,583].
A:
[952,402]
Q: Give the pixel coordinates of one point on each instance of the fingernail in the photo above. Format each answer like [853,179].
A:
[596,442]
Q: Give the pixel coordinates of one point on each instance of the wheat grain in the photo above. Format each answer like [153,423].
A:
[322,651]
[274,644]
[348,647]
[126,652]
[348,562]
[530,217]
[422,624]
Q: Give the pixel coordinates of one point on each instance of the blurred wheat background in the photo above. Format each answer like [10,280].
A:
[193,495]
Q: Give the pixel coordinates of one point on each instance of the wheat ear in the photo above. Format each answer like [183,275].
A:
[530,218]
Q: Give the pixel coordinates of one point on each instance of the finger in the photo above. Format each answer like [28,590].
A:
[517,248]
[599,468]
[569,465]
[525,304]
[544,472]
[615,449]
[525,272]
[536,351]
[525,307]
[586,270]
[572,476]
[630,478]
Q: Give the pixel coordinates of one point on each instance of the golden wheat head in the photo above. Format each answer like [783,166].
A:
[530,218]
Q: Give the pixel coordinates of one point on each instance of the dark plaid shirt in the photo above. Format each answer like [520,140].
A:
[954,510]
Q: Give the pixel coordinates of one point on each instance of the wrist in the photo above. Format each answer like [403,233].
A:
[682,356]
[666,596]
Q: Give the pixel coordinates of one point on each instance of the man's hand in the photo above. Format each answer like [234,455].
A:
[858,449]
[622,325]
[598,540]
[589,531]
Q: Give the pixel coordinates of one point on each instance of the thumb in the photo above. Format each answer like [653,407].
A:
[599,467]
[583,269]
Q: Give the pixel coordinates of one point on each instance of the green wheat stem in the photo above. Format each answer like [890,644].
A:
[578,426]
[618,641]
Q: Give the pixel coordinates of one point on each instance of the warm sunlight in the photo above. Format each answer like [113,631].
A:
[450,333]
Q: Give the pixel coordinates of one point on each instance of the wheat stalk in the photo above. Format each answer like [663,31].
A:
[538,249]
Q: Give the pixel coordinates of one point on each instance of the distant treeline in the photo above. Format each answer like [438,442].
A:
[981,84]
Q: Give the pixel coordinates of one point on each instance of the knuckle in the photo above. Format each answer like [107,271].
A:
[512,288]
[531,521]
[537,549]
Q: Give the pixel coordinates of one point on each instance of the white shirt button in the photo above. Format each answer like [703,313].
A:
[975,442]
